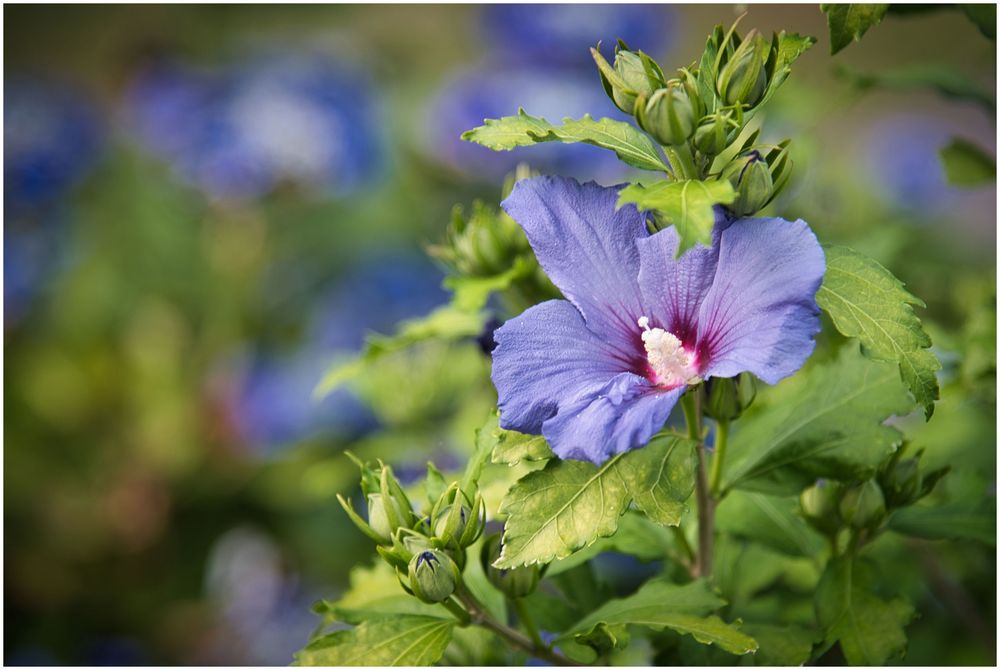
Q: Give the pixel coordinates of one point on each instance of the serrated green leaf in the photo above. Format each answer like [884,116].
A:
[826,421]
[867,302]
[628,142]
[771,520]
[952,521]
[965,164]
[849,22]
[660,604]
[563,507]
[568,505]
[869,629]
[513,447]
[399,640]
[781,645]
[687,205]
[661,477]
[944,79]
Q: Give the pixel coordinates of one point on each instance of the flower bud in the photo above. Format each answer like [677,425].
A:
[902,483]
[627,79]
[433,576]
[451,523]
[711,137]
[751,179]
[819,506]
[668,115]
[516,582]
[743,79]
[728,397]
[484,244]
[863,505]
[382,521]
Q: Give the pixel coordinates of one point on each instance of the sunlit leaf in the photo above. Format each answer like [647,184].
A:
[630,144]
[687,205]
[867,302]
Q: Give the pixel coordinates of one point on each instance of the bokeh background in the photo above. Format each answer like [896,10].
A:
[204,206]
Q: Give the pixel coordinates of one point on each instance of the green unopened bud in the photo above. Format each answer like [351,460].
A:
[668,115]
[627,79]
[711,137]
[516,582]
[902,483]
[484,244]
[819,504]
[384,522]
[863,505]
[433,576]
[452,522]
[729,397]
[751,179]
[743,79]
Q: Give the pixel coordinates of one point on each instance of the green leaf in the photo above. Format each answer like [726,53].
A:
[660,604]
[867,302]
[771,520]
[660,477]
[965,164]
[513,447]
[687,205]
[943,79]
[472,293]
[399,640]
[984,16]
[444,323]
[869,629]
[848,22]
[486,438]
[781,645]
[952,521]
[568,505]
[629,143]
[788,47]
[826,421]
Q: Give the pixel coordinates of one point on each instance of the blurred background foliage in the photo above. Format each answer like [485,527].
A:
[205,206]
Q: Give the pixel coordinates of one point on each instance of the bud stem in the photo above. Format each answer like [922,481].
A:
[682,162]
[721,439]
[463,617]
[529,625]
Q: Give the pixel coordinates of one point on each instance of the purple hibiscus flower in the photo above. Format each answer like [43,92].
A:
[598,374]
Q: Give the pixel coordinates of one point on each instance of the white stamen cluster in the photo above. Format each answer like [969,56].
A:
[672,364]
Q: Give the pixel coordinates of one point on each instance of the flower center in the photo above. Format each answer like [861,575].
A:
[671,363]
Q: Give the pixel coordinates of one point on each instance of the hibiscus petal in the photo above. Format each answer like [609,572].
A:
[586,246]
[673,288]
[760,314]
[620,416]
[547,358]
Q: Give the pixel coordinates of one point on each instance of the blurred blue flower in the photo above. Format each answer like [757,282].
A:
[240,132]
[903,162]
[490,93]
[275,408]
[51,137]
[32,252]
[562,35]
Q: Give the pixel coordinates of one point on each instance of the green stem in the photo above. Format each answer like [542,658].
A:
[721,439]
[685,546]
[525,616]
[459,611]
[481,617]
[691,403]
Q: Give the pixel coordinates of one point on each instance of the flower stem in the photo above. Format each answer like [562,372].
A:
[459,611]
[721,439]
[691,403]
[525,616]
[481,617]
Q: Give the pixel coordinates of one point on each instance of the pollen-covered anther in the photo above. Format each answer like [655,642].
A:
[671,363]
